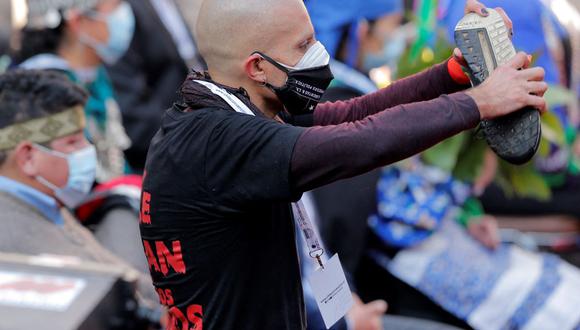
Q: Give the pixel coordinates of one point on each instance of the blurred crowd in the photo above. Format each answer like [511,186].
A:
[450,238]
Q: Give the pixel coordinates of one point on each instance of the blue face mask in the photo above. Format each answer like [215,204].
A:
[82,167]
[392,50]
[121,27]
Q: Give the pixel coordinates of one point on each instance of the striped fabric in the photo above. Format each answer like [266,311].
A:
[505,289]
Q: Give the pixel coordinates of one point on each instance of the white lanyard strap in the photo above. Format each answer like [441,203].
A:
[300,215]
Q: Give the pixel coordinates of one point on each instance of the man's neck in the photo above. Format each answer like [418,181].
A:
[15,176]
[268,108]
[79,56]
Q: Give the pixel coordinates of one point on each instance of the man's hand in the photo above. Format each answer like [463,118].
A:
[511,87]
[367,316]
[485,230]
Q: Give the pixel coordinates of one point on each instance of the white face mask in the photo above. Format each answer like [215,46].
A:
[82,166]
[307,80]
[316,56]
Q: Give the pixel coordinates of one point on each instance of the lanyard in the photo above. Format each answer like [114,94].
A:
[315,249]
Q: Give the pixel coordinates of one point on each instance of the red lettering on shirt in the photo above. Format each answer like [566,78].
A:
[165,297]
[145,216]
[176,317]
[194,318]
[150,256]
[175,259]
[169,297]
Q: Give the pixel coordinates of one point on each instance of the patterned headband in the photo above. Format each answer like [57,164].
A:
[43,130]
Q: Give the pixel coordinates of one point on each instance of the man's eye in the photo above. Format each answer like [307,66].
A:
[306,44]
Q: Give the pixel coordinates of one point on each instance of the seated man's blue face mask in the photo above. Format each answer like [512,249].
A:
[307,81]
[82,166]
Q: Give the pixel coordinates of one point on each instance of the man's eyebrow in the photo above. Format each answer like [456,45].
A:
[306,39]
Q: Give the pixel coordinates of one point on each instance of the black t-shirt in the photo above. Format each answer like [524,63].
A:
[217,224]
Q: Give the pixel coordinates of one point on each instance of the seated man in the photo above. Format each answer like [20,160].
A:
[46,163]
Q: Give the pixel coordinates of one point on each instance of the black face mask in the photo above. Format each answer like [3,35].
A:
[304,87]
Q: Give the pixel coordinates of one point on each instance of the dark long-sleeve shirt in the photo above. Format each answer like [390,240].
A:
[352,137]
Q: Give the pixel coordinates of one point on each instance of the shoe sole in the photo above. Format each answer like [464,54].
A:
[485,45]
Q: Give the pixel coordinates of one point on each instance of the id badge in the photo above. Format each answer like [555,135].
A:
[331,290]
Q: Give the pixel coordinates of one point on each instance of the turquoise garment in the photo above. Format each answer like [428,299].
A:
[101,92]
[45,204]
[98,85]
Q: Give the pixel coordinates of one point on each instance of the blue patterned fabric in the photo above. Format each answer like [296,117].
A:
[412,203]
[457,285]
[548,282]
[462,276]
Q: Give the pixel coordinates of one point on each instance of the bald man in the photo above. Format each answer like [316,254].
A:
[248,139]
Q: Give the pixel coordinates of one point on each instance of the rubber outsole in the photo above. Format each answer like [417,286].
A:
[515,137]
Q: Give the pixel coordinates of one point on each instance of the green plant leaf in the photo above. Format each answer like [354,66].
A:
[559,96]
[444,155]
[470,160]
[544,149]
[503,181]
[552,129]
[525,181]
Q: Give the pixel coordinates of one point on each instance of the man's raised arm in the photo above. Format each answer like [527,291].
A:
[330,153]
[444,78]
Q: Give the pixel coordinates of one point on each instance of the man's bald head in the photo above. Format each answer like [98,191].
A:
[230,31]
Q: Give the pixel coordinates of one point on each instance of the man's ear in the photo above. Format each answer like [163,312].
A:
[253,66]
[23,157]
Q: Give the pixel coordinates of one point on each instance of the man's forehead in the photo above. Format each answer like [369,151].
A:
[292,21]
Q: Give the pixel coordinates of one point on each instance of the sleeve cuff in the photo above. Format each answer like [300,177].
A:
[467,107]
[456,72]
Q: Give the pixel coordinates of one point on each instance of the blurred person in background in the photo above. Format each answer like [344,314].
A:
[361,316]
[370,316]
[147,78]
[360,38]
[77,37]
[46,164]
[332,27]
[5,32]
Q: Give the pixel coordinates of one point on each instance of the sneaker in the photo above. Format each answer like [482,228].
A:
[486,44]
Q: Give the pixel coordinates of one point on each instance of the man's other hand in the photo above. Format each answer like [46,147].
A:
[473,6]
[485,230]
[367,316]
[511,87]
